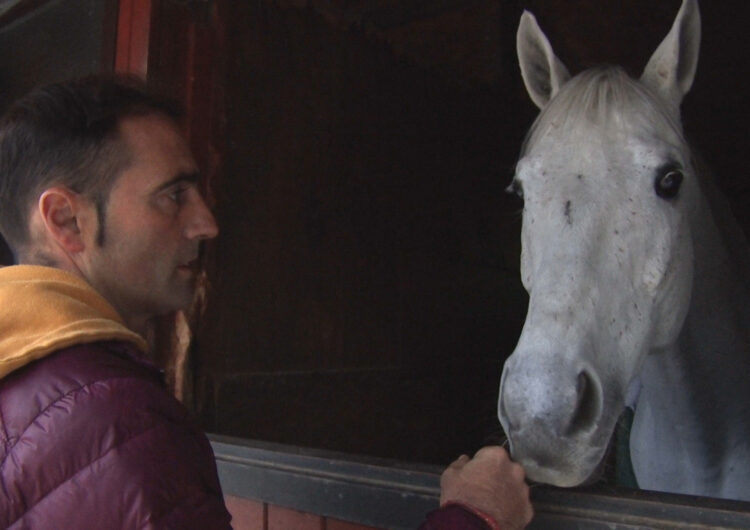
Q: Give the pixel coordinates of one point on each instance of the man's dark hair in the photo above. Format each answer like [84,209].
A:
[67,134]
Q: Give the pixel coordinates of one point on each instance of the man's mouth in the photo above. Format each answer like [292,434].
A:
[191,266]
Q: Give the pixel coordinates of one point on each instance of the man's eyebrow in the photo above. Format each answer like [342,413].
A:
[187,178]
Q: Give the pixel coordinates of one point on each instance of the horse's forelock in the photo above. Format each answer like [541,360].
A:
[594,98]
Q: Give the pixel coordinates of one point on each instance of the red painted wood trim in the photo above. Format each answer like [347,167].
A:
[335,524]
[133,30]
[287,519]
[247,514]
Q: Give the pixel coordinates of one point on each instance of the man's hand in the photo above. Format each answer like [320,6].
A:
[492,483]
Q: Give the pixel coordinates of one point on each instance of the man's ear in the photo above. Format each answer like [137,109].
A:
[60,210]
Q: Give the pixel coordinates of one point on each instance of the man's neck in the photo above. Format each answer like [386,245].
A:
[40,257]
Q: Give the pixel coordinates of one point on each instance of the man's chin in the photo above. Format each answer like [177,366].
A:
[180,297]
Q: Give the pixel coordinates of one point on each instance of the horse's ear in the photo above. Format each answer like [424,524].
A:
[542,72]
[671,69]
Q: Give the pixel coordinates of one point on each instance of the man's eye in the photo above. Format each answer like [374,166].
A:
[177,195]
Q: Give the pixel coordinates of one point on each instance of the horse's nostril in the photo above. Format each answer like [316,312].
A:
[588,404]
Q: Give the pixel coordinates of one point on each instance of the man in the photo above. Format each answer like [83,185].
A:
[99,202]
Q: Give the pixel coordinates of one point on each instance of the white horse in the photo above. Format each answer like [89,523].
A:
[631,282]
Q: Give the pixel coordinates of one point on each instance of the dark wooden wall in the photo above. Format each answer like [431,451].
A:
[365,284]
[365,287]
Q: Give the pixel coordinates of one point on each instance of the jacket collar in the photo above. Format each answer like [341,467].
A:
[43,309]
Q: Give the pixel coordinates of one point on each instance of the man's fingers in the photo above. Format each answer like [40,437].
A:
[492,483]
[460,461]
[517,471]
[494,453]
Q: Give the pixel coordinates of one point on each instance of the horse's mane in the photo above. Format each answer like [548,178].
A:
[734,239]
[600,96]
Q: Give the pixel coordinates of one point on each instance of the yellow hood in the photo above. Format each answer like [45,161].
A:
[43,310]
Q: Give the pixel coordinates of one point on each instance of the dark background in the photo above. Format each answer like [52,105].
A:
[49,41]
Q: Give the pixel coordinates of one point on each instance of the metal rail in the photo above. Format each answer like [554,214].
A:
[397,495]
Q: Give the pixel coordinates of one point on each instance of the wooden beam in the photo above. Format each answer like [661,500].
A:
[133,32]
[13,10]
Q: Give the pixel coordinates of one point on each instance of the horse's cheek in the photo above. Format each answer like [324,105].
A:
[653,274]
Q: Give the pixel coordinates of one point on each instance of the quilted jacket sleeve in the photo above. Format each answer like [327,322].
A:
[105,446]
[457,517]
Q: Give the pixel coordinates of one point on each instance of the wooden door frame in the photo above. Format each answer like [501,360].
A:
[133,32]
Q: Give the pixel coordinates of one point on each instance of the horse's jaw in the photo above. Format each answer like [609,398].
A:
[559,461]
[569,476]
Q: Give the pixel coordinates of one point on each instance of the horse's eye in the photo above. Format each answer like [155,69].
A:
[516,188]
[668,183]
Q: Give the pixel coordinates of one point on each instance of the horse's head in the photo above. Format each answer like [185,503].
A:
[607,181]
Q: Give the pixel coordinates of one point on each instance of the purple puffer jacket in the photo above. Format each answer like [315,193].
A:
[90,438]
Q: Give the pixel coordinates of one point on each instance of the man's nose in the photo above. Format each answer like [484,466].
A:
[201,224]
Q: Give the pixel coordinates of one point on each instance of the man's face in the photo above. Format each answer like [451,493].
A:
[154,221]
